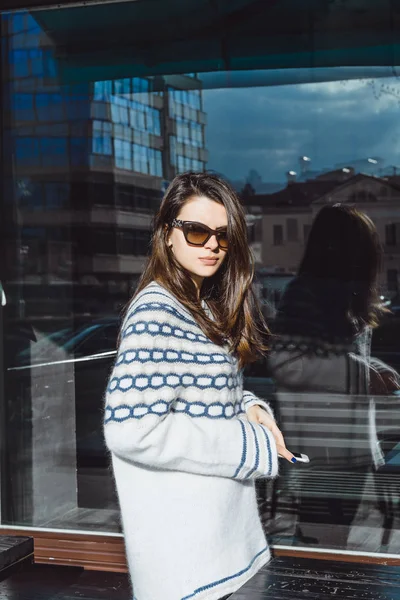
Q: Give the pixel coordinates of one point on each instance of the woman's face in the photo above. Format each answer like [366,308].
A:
[194,258]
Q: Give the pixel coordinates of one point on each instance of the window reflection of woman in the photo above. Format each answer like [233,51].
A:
[187,442]
[334,299]
[322,347]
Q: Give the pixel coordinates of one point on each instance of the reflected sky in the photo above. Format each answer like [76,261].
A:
[267,129]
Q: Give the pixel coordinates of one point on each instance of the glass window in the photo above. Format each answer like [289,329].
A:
[292,230]
[126,86]
[156,122]
[102,90]
[23,106]
[98,90]
[49,64]
[118,87]
[102,138]
[123,115]
[126,146]
[393,280]
[36,58]
[292,142]
[20,63]
[136,158]
[100,110]
[118,153]
[172,149]
[278,235]
[115,114]
[56,195]
[391,234]
[158,159]
[135,84]
[143,159]
[18,22]
[104,240]
[126,242]
[27,151]
[140,120]
[123,156]
[53,151]
[77,106]
[79,151]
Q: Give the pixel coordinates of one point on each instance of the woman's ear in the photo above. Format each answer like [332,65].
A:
[167,236]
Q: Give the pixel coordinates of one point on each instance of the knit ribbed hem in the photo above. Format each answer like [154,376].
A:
[258,564]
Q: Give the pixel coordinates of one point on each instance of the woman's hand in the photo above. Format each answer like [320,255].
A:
[259,415]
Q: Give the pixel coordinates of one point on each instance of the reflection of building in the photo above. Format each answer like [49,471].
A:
[288,209]
[91,161]
[288,215]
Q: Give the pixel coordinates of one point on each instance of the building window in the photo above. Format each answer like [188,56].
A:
[102,90]
[23,107]
[102,138]
[27,151]
[390,234]
[123,154]
[189,132]
[251,234]
[79,149]
[133,242]
[125,242]
[104,241]
[56,195]
[54,151]
[278,235]
[392,280]
[292,230]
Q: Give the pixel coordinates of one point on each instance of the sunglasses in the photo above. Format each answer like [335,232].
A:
[198,234]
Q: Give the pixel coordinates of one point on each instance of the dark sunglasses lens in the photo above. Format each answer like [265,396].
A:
[223,239]
[196,234]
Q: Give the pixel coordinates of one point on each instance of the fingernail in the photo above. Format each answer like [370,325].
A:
[293,459]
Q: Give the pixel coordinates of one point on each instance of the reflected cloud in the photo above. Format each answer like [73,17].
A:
[267,129]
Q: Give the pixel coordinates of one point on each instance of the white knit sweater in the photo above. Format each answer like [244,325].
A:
[184,456]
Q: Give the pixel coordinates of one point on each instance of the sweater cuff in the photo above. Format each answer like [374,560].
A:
[250,400]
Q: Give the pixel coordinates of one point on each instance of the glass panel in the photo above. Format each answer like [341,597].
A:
[89,144]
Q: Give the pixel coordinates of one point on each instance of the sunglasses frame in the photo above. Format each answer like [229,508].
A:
[182,225]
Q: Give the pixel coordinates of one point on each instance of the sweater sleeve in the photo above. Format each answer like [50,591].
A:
[146,421]
[250,399]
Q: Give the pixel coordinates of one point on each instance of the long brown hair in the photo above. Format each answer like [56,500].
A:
[229,293]
[343,245]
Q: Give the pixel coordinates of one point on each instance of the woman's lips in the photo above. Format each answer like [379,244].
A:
[209,261]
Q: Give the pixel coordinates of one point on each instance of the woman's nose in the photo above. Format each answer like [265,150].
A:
[212,243]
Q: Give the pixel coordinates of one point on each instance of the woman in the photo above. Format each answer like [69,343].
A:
[186,441]
[321,363]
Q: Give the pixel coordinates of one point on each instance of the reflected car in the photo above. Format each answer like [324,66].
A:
[71,366]
[89,339]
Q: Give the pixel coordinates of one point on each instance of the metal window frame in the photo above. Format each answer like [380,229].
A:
[21,5]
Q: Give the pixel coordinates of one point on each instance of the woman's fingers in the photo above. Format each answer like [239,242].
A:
[274,429]
[280,442]
[284,452]
[276,432]
[269,422]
